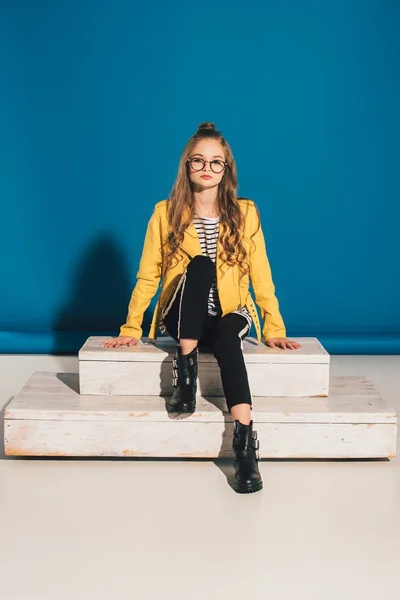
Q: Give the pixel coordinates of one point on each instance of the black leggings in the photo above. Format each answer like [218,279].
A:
[186,317]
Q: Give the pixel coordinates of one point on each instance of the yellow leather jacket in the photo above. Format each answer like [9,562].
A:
[232,295]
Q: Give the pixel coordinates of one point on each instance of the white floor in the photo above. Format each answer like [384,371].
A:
[175,529]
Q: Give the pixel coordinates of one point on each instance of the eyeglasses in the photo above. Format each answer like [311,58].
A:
[198,164]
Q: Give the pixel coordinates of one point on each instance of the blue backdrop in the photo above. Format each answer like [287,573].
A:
[97,101]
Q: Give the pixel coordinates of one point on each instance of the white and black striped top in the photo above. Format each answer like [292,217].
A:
[208,230]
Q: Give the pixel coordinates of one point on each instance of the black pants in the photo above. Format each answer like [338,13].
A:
[186,316]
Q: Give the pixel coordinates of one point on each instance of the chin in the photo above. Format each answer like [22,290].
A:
[206,182]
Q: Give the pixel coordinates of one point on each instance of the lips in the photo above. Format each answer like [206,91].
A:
[206,177]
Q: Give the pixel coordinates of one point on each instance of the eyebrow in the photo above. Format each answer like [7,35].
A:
[216,156]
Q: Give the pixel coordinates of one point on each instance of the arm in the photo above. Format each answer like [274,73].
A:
[263,286]
[148,278]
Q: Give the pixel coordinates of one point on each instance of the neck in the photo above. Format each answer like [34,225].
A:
[206,203]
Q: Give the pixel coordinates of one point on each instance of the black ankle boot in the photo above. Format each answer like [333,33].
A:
[245,446]
[184,381]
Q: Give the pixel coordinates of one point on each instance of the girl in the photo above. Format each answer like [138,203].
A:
[206,244]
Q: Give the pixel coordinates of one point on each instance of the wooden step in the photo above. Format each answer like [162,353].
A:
[146,369]
[50,418]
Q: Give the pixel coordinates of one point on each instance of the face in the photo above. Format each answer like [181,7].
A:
[209,150]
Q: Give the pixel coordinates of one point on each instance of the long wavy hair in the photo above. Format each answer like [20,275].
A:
[231,216]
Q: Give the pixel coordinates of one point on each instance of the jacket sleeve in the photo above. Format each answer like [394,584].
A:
[148,278]
[263,285]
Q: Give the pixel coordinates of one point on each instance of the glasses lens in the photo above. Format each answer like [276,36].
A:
[217,166]
[197,164]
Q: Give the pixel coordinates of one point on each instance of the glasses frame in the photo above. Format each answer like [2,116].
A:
[189,160]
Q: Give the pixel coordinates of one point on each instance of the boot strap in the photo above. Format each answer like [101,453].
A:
[248,453]
[176,364]
[182,377]
[252,445]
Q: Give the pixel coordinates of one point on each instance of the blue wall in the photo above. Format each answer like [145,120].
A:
[97,101]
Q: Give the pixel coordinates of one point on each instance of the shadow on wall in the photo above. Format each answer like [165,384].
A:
[100,290]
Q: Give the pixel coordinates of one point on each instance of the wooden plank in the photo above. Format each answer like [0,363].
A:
[311,351]
[154,378]
[197,440]
[54,396]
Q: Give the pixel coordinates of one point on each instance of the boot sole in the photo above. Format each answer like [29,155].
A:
[248,489]
[183,409]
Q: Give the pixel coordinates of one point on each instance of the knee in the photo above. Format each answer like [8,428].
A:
[200,266]
[227,343]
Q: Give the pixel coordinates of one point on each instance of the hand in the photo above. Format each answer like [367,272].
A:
[121,340]
[283,343]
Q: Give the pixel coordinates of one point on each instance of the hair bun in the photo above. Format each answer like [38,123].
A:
[207,125]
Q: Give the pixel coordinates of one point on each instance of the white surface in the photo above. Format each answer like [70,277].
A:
[54,396]
[174,529]
[146,369]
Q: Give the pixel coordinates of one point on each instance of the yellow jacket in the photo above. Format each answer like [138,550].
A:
[231,294]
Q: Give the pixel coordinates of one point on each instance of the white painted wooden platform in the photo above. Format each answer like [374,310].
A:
[50,418]
[146,369]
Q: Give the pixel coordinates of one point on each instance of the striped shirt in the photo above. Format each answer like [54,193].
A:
[208,230]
